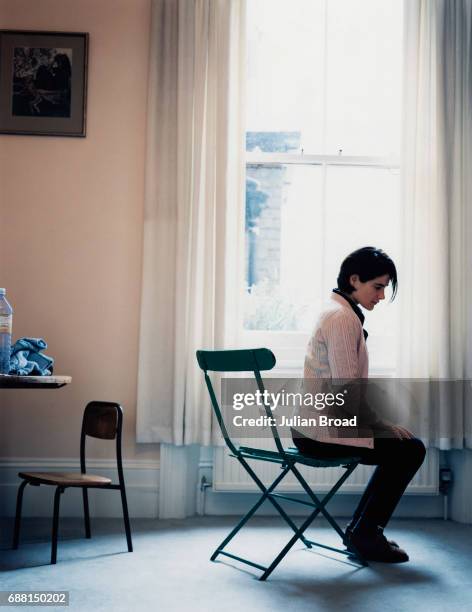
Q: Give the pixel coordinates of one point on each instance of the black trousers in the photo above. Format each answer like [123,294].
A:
[397,462]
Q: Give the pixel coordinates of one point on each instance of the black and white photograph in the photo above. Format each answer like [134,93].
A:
[43,78]
[42,82]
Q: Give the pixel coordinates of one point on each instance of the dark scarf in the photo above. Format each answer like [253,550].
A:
[355,308]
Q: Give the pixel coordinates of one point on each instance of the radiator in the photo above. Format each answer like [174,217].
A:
[229,475]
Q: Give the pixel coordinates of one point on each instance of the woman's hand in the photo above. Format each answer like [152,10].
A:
[401,432]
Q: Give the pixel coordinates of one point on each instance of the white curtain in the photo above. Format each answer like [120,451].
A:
[435,273]
[194,185]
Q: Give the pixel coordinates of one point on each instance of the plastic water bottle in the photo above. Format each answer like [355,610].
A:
[6,316]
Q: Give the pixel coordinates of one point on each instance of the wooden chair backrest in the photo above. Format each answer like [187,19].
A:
[102,420]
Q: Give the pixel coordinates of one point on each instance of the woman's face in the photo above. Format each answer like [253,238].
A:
[369,294]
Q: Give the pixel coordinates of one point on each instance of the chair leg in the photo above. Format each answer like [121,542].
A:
[320,504]
[319,508]
[269,498]
[55,523]
[253,510]
[289,545]
[88,533]
[126,518]
[19,504]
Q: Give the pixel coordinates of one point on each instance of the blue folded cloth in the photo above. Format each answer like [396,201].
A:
[26,358]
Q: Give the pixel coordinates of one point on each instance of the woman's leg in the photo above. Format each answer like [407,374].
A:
[397,462]
[325,450]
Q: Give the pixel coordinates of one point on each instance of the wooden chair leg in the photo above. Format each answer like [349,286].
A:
[55,523]
[126,518]
[19,504]
[88,533]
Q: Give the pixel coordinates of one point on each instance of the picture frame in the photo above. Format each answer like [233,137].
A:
[43,83]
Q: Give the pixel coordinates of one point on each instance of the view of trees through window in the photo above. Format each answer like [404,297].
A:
[323,133]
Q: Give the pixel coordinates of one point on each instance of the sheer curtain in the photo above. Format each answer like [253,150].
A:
[194,179]
[435,271]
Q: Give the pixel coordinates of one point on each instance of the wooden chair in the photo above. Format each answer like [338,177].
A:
[102,420]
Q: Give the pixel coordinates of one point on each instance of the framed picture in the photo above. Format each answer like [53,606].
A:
[43,82]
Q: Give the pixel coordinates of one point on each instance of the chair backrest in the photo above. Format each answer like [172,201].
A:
[103,420]
[241,360]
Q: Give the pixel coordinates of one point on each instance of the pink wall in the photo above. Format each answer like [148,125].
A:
[71,232]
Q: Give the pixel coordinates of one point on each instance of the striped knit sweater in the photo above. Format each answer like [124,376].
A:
[336,350]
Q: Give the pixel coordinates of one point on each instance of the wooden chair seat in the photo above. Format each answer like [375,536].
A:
[67,479]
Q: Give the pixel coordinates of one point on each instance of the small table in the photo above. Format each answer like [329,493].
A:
[8,381]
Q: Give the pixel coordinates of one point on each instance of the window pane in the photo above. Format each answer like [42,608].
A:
[285,71]
[362,210]
[364,59]
[327,72]
[283,242]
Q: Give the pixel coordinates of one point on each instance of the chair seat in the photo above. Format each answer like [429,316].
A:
[295,454]
[68,479]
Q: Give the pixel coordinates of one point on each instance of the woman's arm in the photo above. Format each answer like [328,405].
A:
[342,335]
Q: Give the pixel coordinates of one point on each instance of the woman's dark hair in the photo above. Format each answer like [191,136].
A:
[367,263]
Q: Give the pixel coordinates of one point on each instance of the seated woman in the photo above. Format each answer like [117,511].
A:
[337,351]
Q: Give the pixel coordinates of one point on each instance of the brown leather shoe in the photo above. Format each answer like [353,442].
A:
[375,547]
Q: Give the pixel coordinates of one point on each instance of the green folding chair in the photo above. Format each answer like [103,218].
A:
[257,360]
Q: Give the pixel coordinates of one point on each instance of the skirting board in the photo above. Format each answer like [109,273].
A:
[141,480]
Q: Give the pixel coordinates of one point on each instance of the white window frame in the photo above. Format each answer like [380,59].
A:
[291,345]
